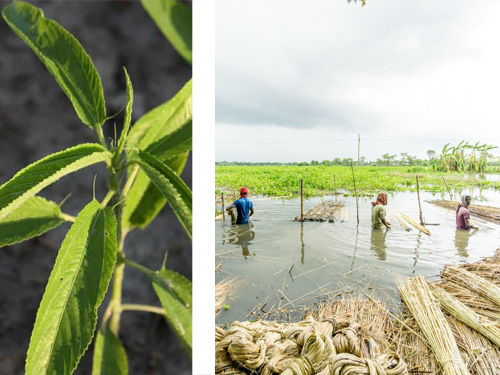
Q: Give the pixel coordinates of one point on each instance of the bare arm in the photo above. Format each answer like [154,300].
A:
[468,225]
[384,221]
[251,211]
[229,207]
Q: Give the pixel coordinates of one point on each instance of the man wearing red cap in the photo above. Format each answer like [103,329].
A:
[244,207]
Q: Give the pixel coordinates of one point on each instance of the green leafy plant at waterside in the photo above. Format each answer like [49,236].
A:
[143,166]
[465,157]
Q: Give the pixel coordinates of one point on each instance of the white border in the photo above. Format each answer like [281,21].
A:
[203,186]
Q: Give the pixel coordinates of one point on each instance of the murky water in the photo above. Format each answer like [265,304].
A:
[289,264]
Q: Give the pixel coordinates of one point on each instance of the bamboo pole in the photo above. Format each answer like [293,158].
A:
[301,199]
[223,214]
[449,192]
[355,193]
[419,205]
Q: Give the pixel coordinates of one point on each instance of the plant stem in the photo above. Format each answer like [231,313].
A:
[139,267]
[116,296]
[135,307]
[100,135]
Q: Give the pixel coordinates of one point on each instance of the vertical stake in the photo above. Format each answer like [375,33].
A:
[419,206]
[301,199]
[449,192]
[355,193]
[223,213]
[359,141]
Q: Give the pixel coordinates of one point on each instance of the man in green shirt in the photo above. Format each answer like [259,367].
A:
[378,212]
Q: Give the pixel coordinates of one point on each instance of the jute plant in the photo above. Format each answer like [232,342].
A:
[143,165]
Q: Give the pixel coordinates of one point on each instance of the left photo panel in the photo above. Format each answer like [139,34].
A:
[95,187]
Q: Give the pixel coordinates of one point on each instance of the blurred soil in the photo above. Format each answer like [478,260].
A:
[37,119]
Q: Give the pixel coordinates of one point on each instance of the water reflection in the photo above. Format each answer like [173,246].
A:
[462,242]
[302,249]
[241,235]
[377,243]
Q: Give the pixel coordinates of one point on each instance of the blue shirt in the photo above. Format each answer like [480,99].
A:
[243,206]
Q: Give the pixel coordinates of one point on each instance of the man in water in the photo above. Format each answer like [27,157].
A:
[244,207]
[463,214]
[378,212]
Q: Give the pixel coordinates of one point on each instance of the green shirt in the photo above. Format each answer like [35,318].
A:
[377,211]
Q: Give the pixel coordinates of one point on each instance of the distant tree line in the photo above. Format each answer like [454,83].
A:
[450,159]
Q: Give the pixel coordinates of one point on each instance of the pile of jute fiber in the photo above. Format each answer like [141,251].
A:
[347,337]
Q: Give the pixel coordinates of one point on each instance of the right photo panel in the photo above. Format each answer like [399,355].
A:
[357,187]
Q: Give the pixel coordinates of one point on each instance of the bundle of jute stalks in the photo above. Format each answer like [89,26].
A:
[473,282]
[322,345]
[426,310]
[421,228]
[466,315]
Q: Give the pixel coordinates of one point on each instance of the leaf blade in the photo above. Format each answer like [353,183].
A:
[33,218]
[109,354]
[175,294]
[64,58]
[66,319]
[175,21]
[170,186]
[144,200]
[163,120]
[40,174]
[179,141]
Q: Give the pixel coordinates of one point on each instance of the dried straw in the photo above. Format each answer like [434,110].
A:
[482,357]
[466,315]
[222,291]
[421,228]
[473,282]
[402,223]
[425,309]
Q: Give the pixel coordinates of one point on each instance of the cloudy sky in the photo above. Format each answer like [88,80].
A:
[298,81]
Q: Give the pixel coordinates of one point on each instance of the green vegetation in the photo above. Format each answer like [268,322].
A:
[143,168]
[285,180]
[465,157]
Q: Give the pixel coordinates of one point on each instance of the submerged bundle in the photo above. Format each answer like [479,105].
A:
[403,224]
[330,211]
[421,228]
[488,213]
[425,309]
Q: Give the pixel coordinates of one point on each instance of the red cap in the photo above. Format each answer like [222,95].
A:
[243,191]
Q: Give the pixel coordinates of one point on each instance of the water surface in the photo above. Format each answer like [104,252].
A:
[290,264]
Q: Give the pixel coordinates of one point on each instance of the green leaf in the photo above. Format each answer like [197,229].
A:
[128,115]
[179,141]
[175,294]
[33,218]
[163,120]
[110,357]
[64,58]
[170,186]
[66,319]
[175,21]
[144,200]
[30,180]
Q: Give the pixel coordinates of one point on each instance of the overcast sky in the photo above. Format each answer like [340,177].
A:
[298,81]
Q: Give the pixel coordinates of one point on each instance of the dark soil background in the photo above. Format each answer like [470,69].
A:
[37,119]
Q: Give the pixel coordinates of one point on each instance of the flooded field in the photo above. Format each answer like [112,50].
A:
[284,266]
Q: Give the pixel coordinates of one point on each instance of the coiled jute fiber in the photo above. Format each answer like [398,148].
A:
[325,346]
